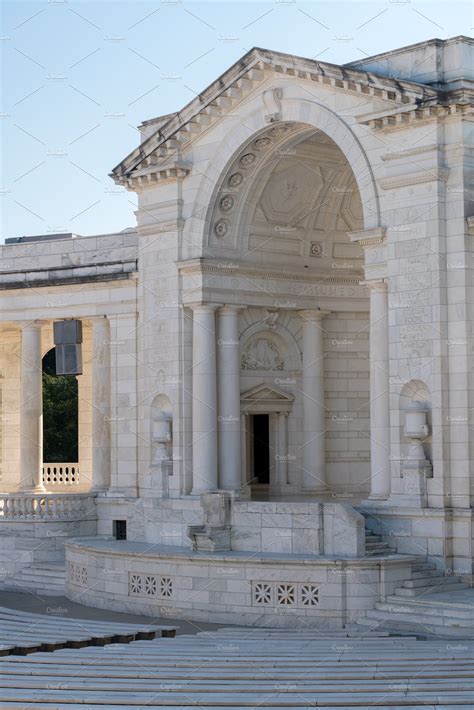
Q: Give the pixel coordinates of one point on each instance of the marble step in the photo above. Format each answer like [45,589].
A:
[47,578]
[422,630]
[430,581]
[425,573]
[430,589]
[414,617]
[436,614]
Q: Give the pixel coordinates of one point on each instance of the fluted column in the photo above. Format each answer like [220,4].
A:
[314,411]
[204,399]
[379,391]
[228,398]
[31,409]
[101,394]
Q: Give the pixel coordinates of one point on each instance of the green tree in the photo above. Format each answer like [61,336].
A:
[60,414]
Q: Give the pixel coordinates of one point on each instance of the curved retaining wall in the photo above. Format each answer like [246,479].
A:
[232,587]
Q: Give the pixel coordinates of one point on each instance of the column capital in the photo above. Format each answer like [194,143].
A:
[313,314]
[380,285]
[368,237]
[229,309]
[32,324]
[203,307]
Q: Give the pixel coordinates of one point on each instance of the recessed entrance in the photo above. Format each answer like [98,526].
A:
[260,443]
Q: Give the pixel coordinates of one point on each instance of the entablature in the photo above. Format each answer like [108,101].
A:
[240,283]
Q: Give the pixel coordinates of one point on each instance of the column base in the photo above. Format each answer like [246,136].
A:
[34,489]
[321,490]
[375,499]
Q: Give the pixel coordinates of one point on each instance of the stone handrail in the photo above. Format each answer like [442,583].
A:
[46,506]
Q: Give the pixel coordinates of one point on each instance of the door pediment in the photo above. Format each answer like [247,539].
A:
[265,399]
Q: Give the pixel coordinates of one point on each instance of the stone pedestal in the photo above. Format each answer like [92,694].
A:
[214,534]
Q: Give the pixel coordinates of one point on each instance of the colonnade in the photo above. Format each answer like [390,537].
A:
[218,444]
[31,406]
[217,422]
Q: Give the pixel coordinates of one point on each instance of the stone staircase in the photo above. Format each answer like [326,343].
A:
[427,604]
[375,546]
[43,578]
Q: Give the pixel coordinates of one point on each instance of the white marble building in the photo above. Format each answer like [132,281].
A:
[290,323]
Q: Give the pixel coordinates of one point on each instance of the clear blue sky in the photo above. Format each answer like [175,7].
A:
[78,77]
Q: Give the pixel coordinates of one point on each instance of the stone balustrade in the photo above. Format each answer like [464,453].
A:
[60,474]
[41,506]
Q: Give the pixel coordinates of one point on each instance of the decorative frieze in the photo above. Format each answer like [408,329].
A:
[155,586]
[299,595]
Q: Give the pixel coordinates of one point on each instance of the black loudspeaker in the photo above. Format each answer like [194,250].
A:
[68,350]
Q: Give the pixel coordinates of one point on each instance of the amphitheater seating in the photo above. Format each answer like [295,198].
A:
[23,633]
[241,668]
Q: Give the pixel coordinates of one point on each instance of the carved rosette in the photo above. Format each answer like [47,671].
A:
[244,164]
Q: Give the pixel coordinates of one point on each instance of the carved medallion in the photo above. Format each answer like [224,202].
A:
[247,160]
[262,143]
[235,179]
[316,249]
[226,203]
[220,228]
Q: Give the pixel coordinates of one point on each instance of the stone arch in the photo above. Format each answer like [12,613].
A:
[307,115]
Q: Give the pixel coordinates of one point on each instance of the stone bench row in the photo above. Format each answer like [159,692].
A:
[23,632]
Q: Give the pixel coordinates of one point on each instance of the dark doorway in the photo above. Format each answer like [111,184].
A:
[261,448]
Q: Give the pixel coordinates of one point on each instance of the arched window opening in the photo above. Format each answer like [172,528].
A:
[60,414]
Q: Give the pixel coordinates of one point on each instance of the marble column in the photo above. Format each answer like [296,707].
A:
[314,411]
[282,438]
[31,410]
[379,391]
[101,405]
[228,398]
[204,410]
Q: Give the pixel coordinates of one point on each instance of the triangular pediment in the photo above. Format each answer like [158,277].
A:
[265,393]
[156,156]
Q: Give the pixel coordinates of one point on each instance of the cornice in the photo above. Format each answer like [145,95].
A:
[369,237]
[429,175]
[216,268]
[414,113]
[408,152]
[238,81]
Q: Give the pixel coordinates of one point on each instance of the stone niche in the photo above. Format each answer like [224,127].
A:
[155,482]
